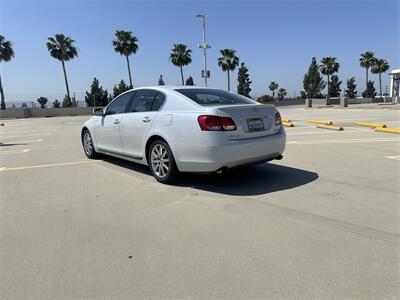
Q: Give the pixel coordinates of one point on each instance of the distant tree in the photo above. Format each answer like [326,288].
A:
[161,80]
[228,62]
[351,91]
[125,43]
[328,67]
[97,96]
[244,81]
[370,91]
[334,86]
[23,105]
[281,94]
[181,56]
[56,104]
[62,48]
[120,88]
[313,83]
[303,95]
[66,102]
[380,66]
[265,99]
[6,54]
[273,86]
[42,101]
[189,81]
[366,61]
[13,106]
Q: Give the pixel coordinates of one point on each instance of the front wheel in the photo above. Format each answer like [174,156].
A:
[162,163]
[87,143]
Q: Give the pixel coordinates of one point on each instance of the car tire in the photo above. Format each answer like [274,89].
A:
[162,162]
[87,144]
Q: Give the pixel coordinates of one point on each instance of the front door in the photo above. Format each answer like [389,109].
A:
[108,132]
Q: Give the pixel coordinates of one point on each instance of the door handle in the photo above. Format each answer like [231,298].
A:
[146,119]
[116,121]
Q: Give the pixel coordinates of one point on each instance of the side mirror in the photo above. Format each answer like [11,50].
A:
[98,112]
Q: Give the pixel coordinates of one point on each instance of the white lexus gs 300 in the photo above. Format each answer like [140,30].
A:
[185,129]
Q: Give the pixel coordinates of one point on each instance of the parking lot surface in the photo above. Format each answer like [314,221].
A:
[321,223]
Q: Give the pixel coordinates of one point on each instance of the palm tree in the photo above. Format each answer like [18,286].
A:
[181,56]
[366,61]
[228,62]
[380,66]
[273,86]
[6,54]
[125,43]
[281,94]
[62,48]
[328,67]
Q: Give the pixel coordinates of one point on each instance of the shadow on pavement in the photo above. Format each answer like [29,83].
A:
[7,145]
[249,181]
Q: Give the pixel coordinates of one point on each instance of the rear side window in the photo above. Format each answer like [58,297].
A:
[158,102]
[119,105]
[147,100]
[209,97]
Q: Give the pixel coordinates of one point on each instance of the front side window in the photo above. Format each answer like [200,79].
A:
[147,100]
[119,105]
[209,97]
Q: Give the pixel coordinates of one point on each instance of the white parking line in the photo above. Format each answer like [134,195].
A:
[14,151]
[393,157]
[344,141]
[24,135]
[21,142]
[3,169]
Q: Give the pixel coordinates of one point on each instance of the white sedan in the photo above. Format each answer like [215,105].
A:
[185,129]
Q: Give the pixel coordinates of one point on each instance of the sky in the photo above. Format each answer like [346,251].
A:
[275,39]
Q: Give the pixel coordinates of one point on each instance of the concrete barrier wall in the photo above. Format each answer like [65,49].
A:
[289,102]
[11,113]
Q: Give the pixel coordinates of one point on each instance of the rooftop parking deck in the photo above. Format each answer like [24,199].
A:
[321,223]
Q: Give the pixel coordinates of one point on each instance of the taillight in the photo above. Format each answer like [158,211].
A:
[278,118]
[214,123]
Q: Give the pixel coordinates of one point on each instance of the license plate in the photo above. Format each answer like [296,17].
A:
[255,124]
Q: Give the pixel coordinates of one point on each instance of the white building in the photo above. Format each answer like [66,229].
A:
[395,85]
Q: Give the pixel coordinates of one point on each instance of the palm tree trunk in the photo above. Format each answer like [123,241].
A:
[3,104]
[183,83]
[65,78]
[129,70]
[229,81]
[366,78]
[273,95]
[328,88]
[380,85]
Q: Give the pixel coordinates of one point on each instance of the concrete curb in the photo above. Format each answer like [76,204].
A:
[331,127]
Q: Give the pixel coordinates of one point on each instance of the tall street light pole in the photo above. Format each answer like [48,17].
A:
[205,73]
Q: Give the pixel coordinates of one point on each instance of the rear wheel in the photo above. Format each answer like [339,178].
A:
[87,143]
[162,162]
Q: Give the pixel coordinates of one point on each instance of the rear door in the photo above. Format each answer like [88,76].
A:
[136,123]
[107,133]
[252,120]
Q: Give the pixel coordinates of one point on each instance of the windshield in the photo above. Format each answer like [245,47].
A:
[208,97]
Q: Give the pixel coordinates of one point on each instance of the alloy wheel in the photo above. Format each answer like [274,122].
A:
[160,160]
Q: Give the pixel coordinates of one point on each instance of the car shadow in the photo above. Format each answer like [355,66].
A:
[12,144]
[247,181]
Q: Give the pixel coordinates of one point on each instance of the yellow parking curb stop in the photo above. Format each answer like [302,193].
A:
[286,120]
[373,125]
[388,130]
[323,122]
[287,124]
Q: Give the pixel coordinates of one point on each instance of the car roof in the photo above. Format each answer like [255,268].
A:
[174,87]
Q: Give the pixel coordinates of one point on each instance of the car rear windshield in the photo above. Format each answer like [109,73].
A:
[208,97]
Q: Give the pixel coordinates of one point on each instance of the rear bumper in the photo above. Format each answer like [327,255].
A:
[208,157]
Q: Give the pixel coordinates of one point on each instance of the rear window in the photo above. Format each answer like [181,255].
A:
[208,97]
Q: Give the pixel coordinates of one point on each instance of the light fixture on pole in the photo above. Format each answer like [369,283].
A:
[204,73]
